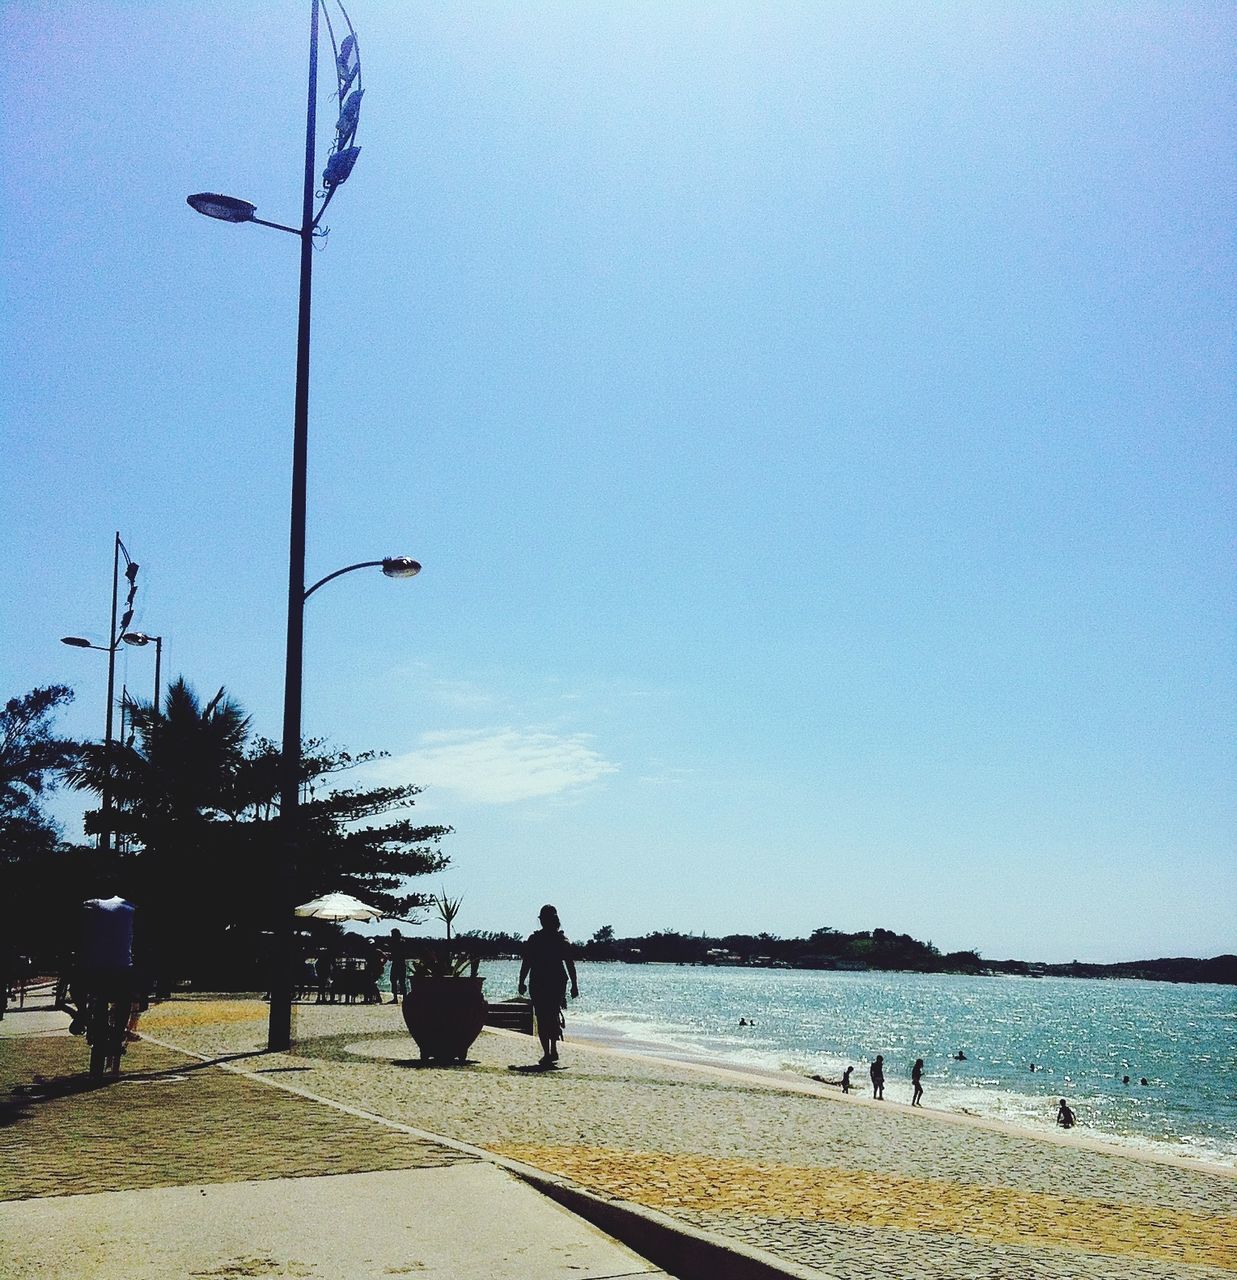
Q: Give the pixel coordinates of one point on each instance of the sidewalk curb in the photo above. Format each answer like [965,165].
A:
[686,1252]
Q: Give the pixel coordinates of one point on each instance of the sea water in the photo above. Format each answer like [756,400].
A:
[1083,1035]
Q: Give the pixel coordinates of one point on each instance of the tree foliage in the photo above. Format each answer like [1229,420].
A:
[36,867]
[825,948]
[195,806]
[32,758]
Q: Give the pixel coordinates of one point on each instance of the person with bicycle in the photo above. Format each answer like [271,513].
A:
[105,988]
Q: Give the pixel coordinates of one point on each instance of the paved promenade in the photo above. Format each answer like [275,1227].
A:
[831,1186]
[184,1169]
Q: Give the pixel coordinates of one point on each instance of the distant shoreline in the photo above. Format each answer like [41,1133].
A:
[871,950]
[1135,970]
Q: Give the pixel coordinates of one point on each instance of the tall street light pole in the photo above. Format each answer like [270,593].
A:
[229,209]
[279,1027]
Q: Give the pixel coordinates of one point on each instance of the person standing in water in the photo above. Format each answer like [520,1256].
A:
[877,1072]
[546,967]
[917,1081]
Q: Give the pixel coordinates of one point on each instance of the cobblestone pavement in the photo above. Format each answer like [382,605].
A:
[842,1252]
[170,1120]
[818,1217]
[825,1182]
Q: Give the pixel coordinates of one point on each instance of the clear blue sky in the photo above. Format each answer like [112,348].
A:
[816,422]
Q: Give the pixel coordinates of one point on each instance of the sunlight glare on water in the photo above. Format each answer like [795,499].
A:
[1083,1035]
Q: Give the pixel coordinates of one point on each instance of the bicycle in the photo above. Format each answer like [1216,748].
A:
[102,1016]
[106,1019]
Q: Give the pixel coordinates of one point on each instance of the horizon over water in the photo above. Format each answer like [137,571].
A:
[1083,1035]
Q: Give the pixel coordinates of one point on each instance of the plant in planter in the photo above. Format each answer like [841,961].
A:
[445,1008]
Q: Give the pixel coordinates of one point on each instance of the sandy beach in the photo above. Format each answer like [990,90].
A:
[780,1163]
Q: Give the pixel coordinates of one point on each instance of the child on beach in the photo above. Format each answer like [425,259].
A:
[877,1072]
[1065,1117]
[846,1079]
[917,1081]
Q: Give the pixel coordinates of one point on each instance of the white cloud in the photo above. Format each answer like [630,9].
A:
[500,766]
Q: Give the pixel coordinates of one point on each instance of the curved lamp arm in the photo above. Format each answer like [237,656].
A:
[392,566]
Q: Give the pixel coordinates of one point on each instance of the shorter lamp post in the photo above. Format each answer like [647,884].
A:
[137,638]
[279,1025]
[140,639]
[80,642]
[129,637]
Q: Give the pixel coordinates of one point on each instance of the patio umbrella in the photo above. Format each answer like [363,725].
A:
[338,906]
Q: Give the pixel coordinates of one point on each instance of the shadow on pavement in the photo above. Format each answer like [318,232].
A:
[21,1098]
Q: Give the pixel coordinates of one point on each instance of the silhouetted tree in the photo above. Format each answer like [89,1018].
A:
[340,847]
[199,807]
[37,869]
[32,758]
[602,946]
[170,784]
[489,945]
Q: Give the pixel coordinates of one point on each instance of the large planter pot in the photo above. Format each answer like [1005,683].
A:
[444,1016]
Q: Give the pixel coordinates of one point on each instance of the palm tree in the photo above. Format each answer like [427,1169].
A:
[170,792]
[180,774]
[195,804]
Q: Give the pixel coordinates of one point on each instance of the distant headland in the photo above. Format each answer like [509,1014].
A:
[879,949]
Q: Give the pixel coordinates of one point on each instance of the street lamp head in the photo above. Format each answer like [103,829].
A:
[138,638]
[225,208]
[77,642]
[400,567]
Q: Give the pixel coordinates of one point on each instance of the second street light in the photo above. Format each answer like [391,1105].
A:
[392,567]
[141,639]
[279,1029]
[340,161]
